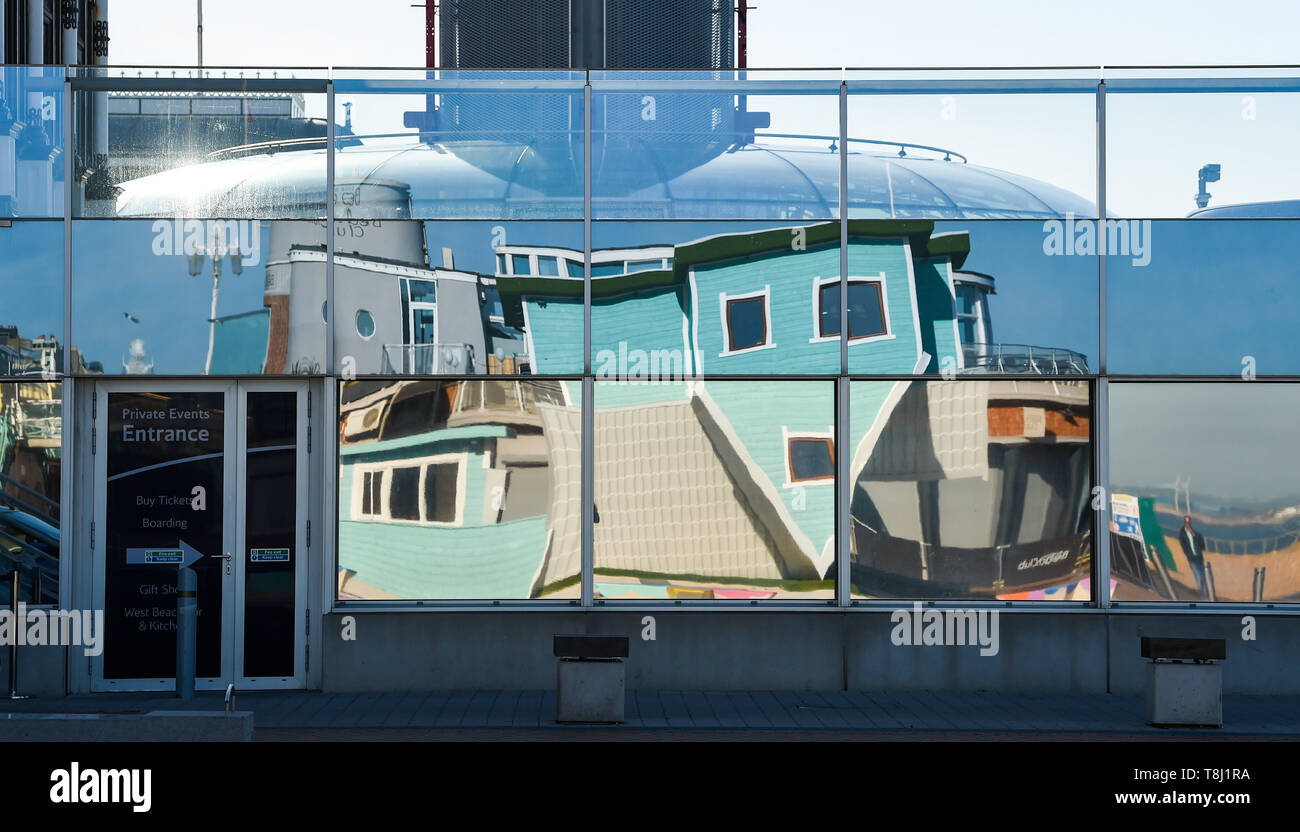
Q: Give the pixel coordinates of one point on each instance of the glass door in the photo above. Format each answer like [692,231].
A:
[271,571]
[212,476]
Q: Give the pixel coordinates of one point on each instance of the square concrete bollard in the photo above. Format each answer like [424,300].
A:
[1184,682]
[1184,693]
[590,690]
[590,678]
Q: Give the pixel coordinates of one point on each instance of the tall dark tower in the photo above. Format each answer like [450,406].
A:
[535,139]
[586,34]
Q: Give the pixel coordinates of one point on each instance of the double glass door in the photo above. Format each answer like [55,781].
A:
[212,476]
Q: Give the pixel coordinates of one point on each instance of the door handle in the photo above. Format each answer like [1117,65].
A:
[226,558]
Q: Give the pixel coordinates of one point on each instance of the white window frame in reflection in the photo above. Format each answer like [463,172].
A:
[768,340]
[882,285]
[787,437]
[422,463]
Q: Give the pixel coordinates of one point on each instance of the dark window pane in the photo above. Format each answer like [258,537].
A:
[747,322]
[376,491]
[404,494]
[365,494]
[547,267]
[423,291]
[811,459]
[866,317]
[830,309]
[520,264]
[440,492]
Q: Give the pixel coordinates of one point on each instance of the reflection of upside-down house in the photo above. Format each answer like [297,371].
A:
[973,489]
[471,490]
[679,495]
[445,488]
[760,302]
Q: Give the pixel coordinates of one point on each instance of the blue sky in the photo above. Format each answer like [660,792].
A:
[1052,137]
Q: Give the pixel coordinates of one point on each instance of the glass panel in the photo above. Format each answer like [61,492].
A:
[470,145]
[271,524]
[31,299]
[1039,289]
[1211,297]
[208,152]
[694,494]
[459,489]
[736,298]
[197,297]
[946,154]
[1209,154]
[31,435]
[697,145]
[1203,492]
[971,489]
[165,450]
[33,112]
[439,303]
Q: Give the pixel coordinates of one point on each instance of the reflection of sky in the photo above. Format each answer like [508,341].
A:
[1214,292]
[1232,440]
[1041,300]
[31,278]
[114,271]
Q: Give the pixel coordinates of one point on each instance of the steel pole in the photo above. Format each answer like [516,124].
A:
[13,645]
[187,614]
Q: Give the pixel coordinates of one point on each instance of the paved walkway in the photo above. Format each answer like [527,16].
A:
[313,715]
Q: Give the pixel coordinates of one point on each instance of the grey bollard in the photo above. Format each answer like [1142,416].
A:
[187,614]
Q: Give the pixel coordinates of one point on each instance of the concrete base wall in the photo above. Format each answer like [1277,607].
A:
[1080,652]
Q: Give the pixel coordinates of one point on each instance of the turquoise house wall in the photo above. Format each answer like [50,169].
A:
[934,296]
[757,412]
[474,561]
[629,332]
[892,257]
[555,328]
[790,276]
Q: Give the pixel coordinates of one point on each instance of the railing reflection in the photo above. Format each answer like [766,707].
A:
[1023,358]
[428,359]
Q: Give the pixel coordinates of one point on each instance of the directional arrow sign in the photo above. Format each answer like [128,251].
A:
[183,555]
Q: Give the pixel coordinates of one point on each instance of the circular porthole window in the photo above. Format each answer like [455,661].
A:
[365,323]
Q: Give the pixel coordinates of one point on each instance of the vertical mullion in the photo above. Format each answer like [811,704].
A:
[330,369]
[1101,406]
[588,383]
[68,174]
[67,406]
[843,441]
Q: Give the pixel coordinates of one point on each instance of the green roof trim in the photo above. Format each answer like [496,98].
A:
[730,246]
[431,438]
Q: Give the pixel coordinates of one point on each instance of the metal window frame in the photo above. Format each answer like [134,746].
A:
[858,81]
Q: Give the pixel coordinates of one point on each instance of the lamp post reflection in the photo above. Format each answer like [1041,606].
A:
[216,248]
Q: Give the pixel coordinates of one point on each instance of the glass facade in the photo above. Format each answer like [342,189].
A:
[740,337]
